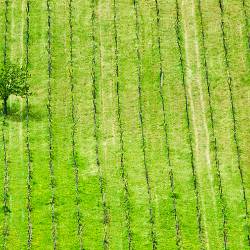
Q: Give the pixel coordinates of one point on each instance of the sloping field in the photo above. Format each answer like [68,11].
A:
[137,132]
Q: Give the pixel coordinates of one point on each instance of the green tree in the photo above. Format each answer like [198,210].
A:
[13,81]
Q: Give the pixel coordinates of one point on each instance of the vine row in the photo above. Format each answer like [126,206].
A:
[165,126]
[74,126]
[246,22]
[151,209]
[233,111]
[195,179]
[6,207]
[6,31]
[122,167]
[29,178]
[96,128]
[51,151]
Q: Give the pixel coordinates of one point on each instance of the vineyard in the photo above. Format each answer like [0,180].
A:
[137,131]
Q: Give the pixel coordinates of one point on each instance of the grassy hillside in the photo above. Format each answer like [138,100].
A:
[137,132]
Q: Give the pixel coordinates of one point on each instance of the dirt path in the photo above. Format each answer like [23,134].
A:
[198,113]
[202,102]
[195,129]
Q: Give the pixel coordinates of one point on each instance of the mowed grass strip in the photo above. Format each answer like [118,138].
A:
[161,82]
[180,36]
[90,204]
[153,232]
[200,124]
[65,207]
[109,129]
[213,139]
[17,237]
[231,95]
[74,123]
[96,74]
[123,171]
[4,161]
[38,127]
[238,57]
[133,152]
[154,124]
[223,125]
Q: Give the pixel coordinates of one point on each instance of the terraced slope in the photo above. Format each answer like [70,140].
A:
[137,132]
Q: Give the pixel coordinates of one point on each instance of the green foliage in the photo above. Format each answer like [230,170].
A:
[12,82]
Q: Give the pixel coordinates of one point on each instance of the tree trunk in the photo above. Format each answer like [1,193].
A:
[5,110]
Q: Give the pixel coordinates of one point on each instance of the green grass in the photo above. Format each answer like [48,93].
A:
[138,125]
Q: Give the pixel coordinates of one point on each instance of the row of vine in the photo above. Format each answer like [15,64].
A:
[74,126]
[165,126]
[29,178]
[151,209]
[122,167]
[96,127]
[233,111]
[51,151]
[6,207]
[244,6]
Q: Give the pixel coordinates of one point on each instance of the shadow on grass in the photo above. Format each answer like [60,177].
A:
[17,115]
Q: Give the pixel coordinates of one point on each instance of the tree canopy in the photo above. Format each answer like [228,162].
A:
[13,81]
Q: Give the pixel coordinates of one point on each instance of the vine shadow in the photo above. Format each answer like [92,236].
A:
[16,113]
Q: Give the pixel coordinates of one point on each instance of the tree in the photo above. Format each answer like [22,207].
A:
[13,81]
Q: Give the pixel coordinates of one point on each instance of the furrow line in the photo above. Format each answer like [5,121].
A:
[6,31]
[151,209]
[246,22]
[171,175]
[194,171]
[96,128]
[51,151]
[233,110]
[214,140]
[29,177]
[122,167]
[6,189]
[74,126]
[6,208]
